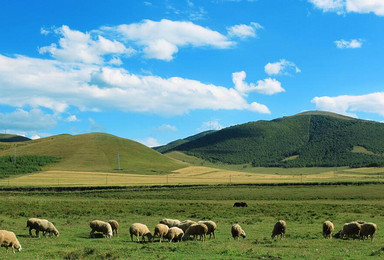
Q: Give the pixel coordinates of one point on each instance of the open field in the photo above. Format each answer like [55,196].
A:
[197,175]
[303,207]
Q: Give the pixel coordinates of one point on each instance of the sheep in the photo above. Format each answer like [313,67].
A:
[279,229]
[8,239]
[41,225]
[351,229]
[368,230]
[237,232]
[161,231]
[100,226]
[328,228]
[175,234]
[170,222]
[196,230]
[138,230]
[211,227]
[115,226]
[184,225]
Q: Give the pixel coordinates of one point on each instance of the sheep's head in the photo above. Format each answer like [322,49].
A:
[149,236]
[243,235]
[18,247]
[56,232]
[109,235]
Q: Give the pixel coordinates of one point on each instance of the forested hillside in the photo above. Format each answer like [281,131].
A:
[304,140]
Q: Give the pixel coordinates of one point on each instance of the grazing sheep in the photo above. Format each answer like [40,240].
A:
[240,204]
[279,229]
[138,230]
[170,222]
[175,234]
[328,228]
[237,232]
[100,226]
[41,225]
[115,226]
[368,230]
[211,227]
[351,229]
[8,239]
[184,225]
[161,231]
[196,230]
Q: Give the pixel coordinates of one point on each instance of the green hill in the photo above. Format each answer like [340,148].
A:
[304,140]
[13,138]
[94,152]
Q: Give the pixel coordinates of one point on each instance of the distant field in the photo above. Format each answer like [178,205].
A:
[303,207]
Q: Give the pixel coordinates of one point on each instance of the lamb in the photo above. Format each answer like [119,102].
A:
[351,229]
[138,230]
[100,226]
[279,229]
[196,230]
[8,239]
[211,227]
[175,234]
[368,230]
[114,225]
[237,232]
[161,231]
[184,225]
[41,225]
[328,228]
[170,222]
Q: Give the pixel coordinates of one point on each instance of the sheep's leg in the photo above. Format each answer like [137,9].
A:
[30,232]
[160,238]
[117,234]
[13,249]
[131,237]
[91,235]
[37,233]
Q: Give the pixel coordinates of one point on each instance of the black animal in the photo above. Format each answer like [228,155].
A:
[240,204]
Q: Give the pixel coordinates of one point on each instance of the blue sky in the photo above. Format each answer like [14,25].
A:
[156,71]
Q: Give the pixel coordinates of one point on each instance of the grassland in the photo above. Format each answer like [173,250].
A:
[303,207]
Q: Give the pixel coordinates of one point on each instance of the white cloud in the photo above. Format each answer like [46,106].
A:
[352,44]
[34,137]
[281,67]
[210,125]
[349,6]
[167,127]
[267,86]
[76,46]
[24,120]
[150,142]
[72,118]
[162,40]
[346,105]
[244,31]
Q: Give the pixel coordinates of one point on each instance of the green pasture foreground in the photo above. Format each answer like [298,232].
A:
[303,207]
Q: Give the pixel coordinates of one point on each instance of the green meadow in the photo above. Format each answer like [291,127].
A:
[303,207]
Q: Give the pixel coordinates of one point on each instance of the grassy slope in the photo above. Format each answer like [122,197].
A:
[96,152]
[12,138]
[304,209]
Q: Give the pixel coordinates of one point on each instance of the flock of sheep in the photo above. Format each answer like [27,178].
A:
[176,230]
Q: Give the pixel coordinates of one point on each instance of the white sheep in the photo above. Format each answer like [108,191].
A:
[184,225]
[170,222]
[115,226]
[8,239]
[237,232]
[41,225]
[100,226]
[351,229]
[196,230]
[161,231]
[175,234]
[279,229]
[138,230]
[368,230]
[211,227]
[328,228]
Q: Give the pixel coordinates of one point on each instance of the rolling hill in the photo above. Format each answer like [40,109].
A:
[13,138]
[94,152]
[303,140]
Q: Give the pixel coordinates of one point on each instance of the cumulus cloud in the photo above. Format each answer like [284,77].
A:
[210,125]
[267,86]
[150,142]
[281,67]
[244,31]
[348,6]
[352,44]
[167,127]
[24,120]
[71,118]
[345,104]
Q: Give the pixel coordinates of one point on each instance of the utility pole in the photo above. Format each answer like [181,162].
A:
[118,161]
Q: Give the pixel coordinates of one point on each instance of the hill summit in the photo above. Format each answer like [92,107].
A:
[307,139]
